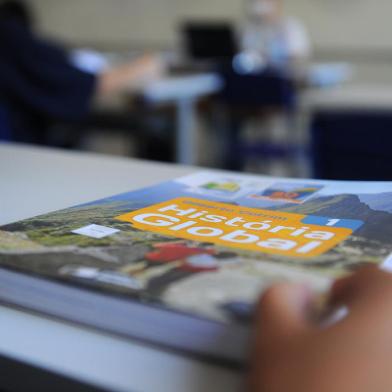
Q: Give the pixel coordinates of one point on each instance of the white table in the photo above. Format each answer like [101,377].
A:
[184,92]
[355,96]
[369,88]
[36,181]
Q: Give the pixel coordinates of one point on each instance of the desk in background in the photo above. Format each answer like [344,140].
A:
[184,92]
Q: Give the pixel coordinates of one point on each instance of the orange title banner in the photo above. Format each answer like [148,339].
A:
[272,232]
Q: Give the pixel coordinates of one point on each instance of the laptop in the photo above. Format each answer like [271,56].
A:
[209,42]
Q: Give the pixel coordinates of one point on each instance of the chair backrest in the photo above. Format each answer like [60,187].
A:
[269,88]
[5,128]
[209,40]
[352,145]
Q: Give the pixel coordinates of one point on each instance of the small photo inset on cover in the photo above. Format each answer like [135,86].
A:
[288,192]
[220,187]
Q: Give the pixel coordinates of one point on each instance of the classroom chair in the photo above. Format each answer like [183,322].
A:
[246,96]
[352,145]
[5,129]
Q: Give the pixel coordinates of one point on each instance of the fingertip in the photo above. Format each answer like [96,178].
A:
[284,306]
[358,284]
[293,293]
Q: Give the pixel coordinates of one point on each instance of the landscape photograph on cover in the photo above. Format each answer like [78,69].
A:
[88,246]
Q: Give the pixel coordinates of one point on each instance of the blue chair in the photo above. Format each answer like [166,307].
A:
[5,128]
[352,145]
[250,95]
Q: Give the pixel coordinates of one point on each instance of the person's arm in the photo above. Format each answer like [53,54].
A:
[293,353]
[129,75]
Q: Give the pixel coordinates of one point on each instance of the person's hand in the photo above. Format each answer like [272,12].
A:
[147,68]
[130,76]
[292,353]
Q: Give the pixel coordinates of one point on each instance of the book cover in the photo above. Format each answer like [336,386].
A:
[209,243]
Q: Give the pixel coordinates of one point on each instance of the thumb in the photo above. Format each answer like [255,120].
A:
[284,311]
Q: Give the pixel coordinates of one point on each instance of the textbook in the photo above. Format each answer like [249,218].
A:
[181,264]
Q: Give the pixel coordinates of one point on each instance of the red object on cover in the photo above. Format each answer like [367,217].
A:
[166,253]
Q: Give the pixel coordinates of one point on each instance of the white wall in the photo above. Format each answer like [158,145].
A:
[344,24]
[357,24]
[121,21]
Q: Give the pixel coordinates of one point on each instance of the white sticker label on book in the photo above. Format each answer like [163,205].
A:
[95,231]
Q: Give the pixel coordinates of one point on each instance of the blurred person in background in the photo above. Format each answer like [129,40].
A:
[293,351]
[272,38]
[41,84]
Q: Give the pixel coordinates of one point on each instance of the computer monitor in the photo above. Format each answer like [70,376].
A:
[209,40]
